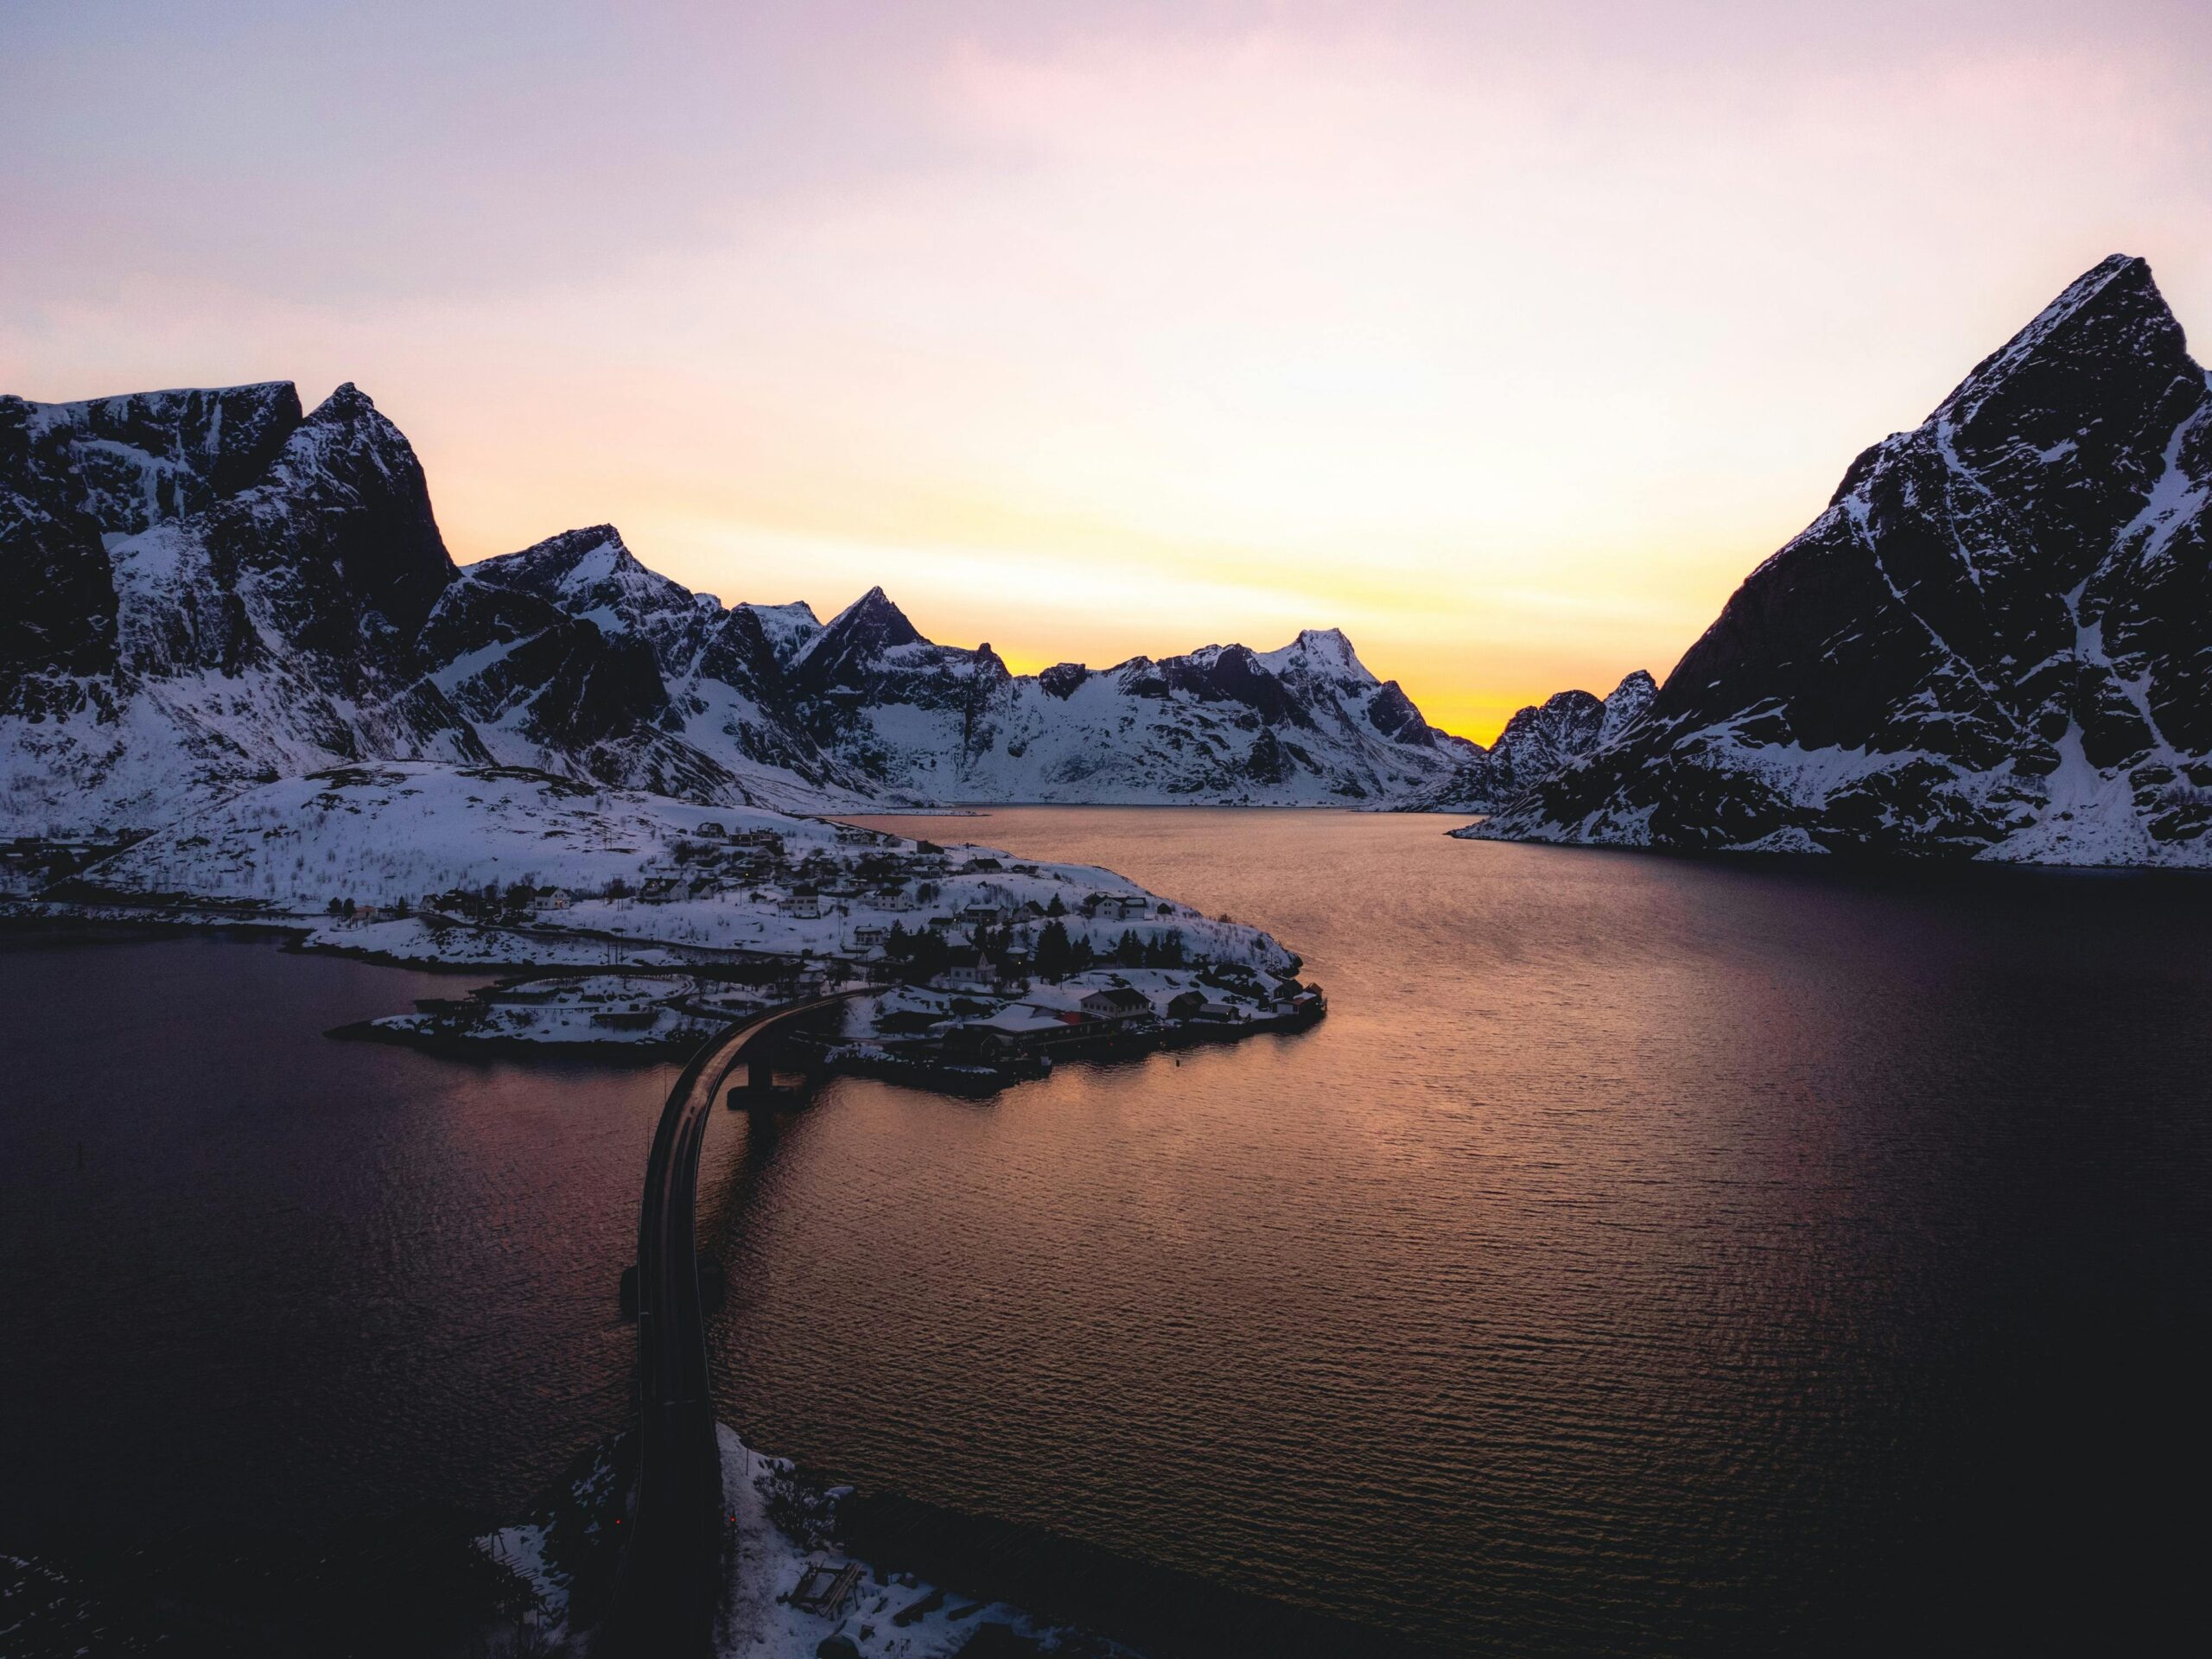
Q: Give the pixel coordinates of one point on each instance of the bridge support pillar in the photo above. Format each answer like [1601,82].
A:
[757,1092]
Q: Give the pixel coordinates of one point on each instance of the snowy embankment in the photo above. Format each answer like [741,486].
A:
[792,1593]
[894,1616]
[485,864]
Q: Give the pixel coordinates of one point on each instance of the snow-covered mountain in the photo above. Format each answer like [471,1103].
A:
[1536,742]
[696,701]
[1996,641]
[206,587]
[212,589]
[1305,724]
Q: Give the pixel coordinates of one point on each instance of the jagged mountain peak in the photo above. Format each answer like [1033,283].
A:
[1062,680]
[1323,650]
[345,401]
[350,419]
[1565,722]
[1538,740]
[1636,683]
[796,612]
[589,567]
[871,623]
[2107,327]
[1629,701]
[2118,290]
[855,642]
[347,434]
[788,629]
[344,509]
[874,612]
[590,574]
[587,537]
[575,561]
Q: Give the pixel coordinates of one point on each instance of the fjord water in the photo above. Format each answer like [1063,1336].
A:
[1646,1255]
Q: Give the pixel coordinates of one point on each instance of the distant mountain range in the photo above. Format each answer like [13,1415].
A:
[1996,642]
[212,589]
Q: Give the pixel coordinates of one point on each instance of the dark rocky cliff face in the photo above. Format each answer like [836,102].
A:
[58,622]
[1996,641]
[74,475]
[334,549]
[854,645]
[1392,713]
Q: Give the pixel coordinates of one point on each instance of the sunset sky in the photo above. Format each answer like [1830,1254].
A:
[1506,338]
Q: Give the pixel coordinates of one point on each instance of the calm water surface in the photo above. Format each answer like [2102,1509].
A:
[1645,1256]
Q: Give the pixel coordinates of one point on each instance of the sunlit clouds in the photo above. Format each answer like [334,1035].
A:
[1506,346]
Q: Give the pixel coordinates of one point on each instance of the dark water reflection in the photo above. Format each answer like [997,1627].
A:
[256,1278]
[1645,1256]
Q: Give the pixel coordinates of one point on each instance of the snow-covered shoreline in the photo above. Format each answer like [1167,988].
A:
[784,1555]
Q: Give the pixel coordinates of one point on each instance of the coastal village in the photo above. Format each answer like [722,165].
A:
[945,1032]
[971,970]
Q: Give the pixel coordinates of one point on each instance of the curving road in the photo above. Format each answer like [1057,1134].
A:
[669,1587]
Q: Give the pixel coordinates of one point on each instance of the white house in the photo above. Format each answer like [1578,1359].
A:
[970,976]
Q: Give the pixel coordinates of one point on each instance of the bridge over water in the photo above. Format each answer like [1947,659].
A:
[668,1589]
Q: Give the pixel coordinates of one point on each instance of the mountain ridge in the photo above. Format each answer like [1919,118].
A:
[219,586]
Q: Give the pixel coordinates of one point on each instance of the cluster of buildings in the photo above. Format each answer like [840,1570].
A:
[988,913]
[1102,1009]
[987,965]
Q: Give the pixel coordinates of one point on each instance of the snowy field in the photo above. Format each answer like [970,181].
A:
[421,861]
